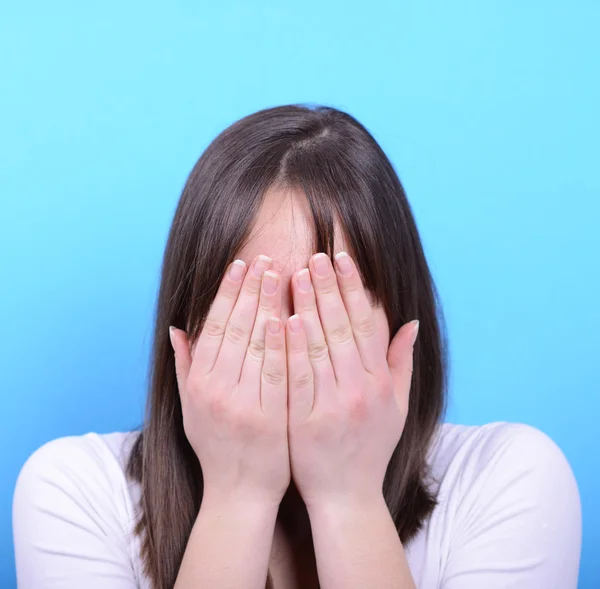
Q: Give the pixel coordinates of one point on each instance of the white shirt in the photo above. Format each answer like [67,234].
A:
[508,514]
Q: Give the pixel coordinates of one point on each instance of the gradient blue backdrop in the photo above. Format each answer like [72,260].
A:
[488,110]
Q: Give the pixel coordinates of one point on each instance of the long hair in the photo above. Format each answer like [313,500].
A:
[345,175]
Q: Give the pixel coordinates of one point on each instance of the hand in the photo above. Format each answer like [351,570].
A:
[233,388]
[348,398]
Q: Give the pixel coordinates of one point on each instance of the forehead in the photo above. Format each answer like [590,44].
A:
[283,230]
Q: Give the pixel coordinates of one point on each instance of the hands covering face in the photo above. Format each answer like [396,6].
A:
[319,399]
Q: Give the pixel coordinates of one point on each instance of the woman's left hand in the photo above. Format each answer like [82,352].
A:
[348,394]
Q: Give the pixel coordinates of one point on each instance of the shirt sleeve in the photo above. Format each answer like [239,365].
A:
[70,526]
[518,524]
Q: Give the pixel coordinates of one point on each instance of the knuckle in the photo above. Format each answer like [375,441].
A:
[351,286]
[236,418]
[230,291]
[297,348]
[218,383]
[235,332]
[214,328]
[266,304]
[256,349]
[240,420]
[218,406]
[328,288]
[365,326]
[302,380]
[276,344]
[253,287]
[327,427]
[358,407]
[341,334]
[273,375]
[306,305]
[318,351]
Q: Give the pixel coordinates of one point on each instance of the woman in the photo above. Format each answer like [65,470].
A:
[294,431]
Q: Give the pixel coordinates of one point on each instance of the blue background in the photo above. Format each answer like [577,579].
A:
[488,110]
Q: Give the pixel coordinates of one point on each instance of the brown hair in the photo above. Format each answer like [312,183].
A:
[344,174]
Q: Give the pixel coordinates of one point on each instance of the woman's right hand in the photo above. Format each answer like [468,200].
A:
[233,388]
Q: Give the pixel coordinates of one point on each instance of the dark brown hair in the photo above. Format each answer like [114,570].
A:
[345,175]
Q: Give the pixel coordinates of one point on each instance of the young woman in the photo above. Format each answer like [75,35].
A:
[294,432]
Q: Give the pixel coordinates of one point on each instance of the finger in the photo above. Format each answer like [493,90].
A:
[360,313]
[241,321]
[305,306]
[334,318]
[208,344]
[301,382]
[183,358]
[400,358]
[269,305]
[273,383]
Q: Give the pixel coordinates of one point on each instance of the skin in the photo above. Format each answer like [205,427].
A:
[294,426]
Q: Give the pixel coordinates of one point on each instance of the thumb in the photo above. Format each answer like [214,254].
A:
[183,358]
[400,359]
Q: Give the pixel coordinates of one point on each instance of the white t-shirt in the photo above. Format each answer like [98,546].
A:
[509,514]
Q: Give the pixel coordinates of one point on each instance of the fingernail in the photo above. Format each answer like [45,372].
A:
[304,280]
[269,282]
[295,323]
[274,325]
[415,331]
[321,264]
[343,262]
[236,272]
[171,333]
[261,264]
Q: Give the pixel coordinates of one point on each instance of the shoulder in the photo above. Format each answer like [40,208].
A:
[72,500]
[498,449]
[88,462]
[507,500]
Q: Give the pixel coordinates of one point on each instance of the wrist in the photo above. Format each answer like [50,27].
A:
[346,506]
[240,504]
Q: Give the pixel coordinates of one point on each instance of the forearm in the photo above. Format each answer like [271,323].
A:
[358,546]
[229,547]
